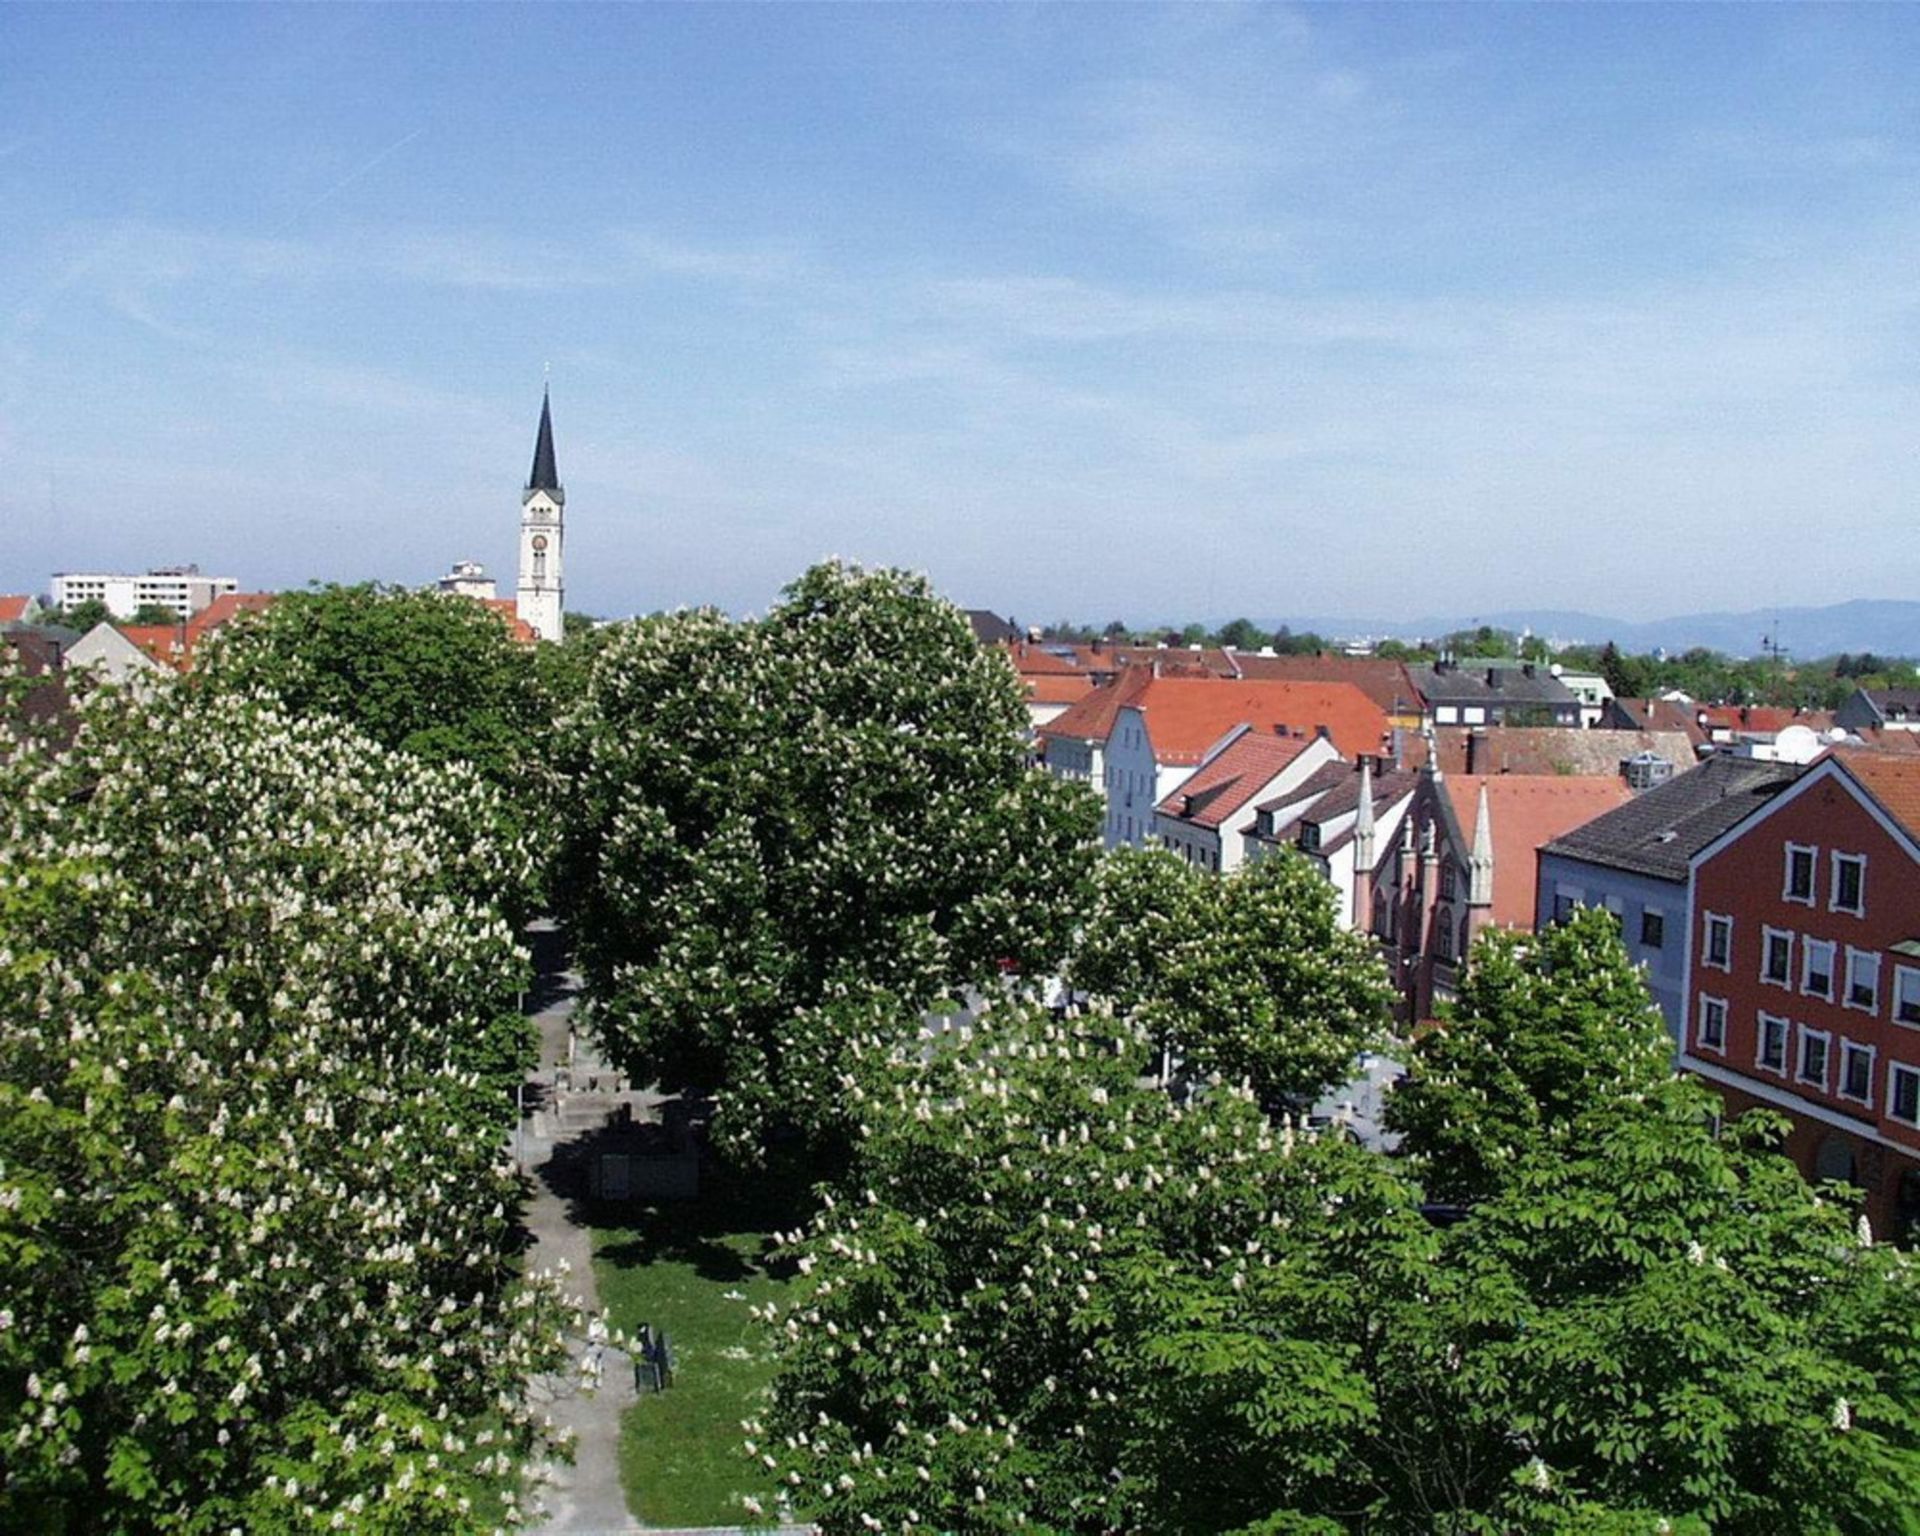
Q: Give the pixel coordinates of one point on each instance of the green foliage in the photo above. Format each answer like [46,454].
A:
[256,1030]
[1248,974]
[155,613]
[1242,635]
[437,677]
[82,616]
[777,822]
[1546,1028]
[1048,1298]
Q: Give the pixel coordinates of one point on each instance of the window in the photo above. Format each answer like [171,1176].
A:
[1443,933]
[1710,1034]
[1772,1053]
[1856,1072]
[1813,1056]
[1863,979]
[1310,835]
[1446,882]
[1816,970]
[1776,957]
[1799,886]
[1849,883]
[1903,1093]
[1563,906]
[1906,994]
[1446,714]
[1719,953]
[1653,929]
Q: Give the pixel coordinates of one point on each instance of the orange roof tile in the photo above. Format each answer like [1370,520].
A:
[1233,776]
[1892,779]
[1527,810]
[1187,715]
[165,643]
[1029,659]
[12,607]
[509,609]
[1092,718]
[1051,688]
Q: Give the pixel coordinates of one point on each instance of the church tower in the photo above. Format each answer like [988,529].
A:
[541,593]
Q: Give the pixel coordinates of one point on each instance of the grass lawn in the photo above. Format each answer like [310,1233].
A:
[674,1266]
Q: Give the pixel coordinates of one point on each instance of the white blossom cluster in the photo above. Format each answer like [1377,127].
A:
[787,826]
[1027,1219]
[256,1228]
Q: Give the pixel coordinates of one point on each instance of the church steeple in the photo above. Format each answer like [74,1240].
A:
[540,597]
[545,476]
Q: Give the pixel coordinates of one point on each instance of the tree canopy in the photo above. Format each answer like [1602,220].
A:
[437,677]
[1048,1296]
[1246,974]
[257,1238]
[778,821]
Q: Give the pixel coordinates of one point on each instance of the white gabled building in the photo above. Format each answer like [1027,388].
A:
[1206,815]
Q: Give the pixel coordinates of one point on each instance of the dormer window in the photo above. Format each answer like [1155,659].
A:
[1310,836]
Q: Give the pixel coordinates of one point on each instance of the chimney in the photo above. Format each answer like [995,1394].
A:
[1493,677]
[1476,751]
[1526,669]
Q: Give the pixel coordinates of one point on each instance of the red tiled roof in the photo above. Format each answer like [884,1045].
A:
[13,607]
[1893,779]
[1387,683]
[509,609]
[1763,718]
[1052,688]
[1092,718]
[1232,777]
[1187,715]
[165,643]
[224,609]
[1030,660]
[1527,811]
[1663,715]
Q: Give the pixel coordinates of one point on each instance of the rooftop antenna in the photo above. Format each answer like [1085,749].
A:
[1770,645]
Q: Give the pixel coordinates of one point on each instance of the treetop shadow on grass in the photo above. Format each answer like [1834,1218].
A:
[779,1197]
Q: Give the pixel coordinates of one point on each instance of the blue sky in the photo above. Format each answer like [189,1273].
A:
[1085,311]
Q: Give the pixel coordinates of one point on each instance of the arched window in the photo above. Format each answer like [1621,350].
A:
[1443,932]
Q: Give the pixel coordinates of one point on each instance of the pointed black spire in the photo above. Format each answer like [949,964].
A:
[544,477]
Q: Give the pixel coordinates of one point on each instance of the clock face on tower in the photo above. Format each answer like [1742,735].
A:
[539,541]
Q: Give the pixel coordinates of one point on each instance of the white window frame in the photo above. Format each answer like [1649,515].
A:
[1825,1037]
[1707,961]
[1903,976]
[1840,1078]
[1895,1071]
[1716,1006]
[1808,946]
[1767,935]
[1846,997]
[1833,893]
[1785,1065]
[1446,714]
[1813,875]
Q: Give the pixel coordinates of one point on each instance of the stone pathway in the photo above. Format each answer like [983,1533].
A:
[584,1497]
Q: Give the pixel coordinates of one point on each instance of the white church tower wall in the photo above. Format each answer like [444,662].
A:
[540,597]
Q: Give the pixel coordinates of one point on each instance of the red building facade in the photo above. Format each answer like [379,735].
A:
[1803,974]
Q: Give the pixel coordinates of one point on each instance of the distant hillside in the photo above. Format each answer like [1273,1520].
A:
[1885,627]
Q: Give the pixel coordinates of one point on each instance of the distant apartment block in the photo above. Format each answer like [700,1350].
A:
[179,587]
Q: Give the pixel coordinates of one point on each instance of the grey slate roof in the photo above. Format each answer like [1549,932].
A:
[1660,831]
[1473,684]
[545,476]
